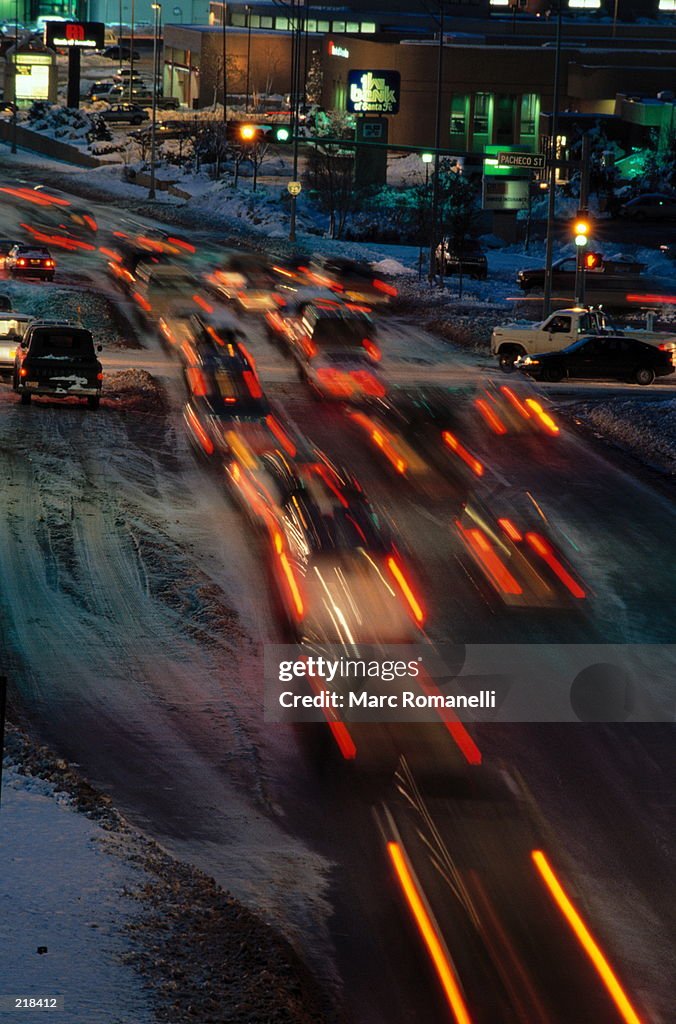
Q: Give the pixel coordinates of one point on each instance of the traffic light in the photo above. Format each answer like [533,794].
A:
[249,133]
[581,230]
[593,260]
[281,133]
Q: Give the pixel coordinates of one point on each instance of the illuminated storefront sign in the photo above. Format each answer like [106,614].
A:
[88,35]
[338,51]
[373,92]
[32,76]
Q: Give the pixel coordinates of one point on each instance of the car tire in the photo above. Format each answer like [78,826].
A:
[93,401]
[26,397]
[508,358]
[644,375]
[554,373]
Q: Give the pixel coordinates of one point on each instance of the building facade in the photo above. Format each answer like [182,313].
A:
[490,95]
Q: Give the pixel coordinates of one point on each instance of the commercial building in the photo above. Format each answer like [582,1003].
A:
[490,95]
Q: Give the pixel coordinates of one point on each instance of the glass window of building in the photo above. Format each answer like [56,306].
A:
[530,110]
[267,22]
[281,24]
[323,26]
[481,112]
[239,20]
[370,26]
[338,26]
[352,26]
[458,115]
[255,21]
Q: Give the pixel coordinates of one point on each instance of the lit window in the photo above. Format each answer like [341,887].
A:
[529,111]
[481,108]
[266,22]
[281,24]
[458,106]
[352,26]
[668,5]
[370,26]
[323,26]
[238,20]
[338,26]
[499,3]
[255,21]
[587,4]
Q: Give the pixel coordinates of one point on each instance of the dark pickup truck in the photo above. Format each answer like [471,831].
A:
[58,359]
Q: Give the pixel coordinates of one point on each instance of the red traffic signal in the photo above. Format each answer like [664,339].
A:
[593,261]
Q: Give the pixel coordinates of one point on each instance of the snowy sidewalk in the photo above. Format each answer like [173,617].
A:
[63,880]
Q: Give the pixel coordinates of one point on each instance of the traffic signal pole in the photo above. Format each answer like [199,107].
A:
[553,155]
[580,265]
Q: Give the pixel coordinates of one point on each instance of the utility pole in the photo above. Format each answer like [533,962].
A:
[157,8]
[437,158]
[295,88]
[551,206]
[131,50]
[225,65]
[582,221]
[16,62]
[248,54]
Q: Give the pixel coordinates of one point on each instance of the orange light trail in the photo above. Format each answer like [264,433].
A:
[605,971]
[429,935]
[454,726]
[545,552]
[414,604]
[492,419]
[499,573]
[543,416]
[452,442]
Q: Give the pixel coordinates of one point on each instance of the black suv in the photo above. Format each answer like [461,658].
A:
[462,257]
[58,359]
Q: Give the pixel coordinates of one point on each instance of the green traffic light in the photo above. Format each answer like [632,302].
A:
[282,135]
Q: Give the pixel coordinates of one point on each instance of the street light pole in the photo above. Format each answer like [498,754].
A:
[131,50]
[551,206]
[157,8]
[248,54]
[437,144]
[225,65]
[16,58]
[295,86]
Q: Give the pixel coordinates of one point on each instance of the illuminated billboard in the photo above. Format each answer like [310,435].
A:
[32,76]
[373,92]
[86,35]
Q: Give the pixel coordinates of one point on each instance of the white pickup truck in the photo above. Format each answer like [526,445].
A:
[560,330]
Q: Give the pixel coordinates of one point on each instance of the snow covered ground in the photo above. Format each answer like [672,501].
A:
[65,891]
[647,429]
[99,917]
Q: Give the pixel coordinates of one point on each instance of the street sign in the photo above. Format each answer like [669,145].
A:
[532,161]
[294,188]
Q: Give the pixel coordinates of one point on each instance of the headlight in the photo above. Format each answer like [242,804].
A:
[527,361]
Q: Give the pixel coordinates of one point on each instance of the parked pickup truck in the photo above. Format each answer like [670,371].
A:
[560,330]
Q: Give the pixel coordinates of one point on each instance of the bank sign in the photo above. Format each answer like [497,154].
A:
[85,35]
[373,92]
